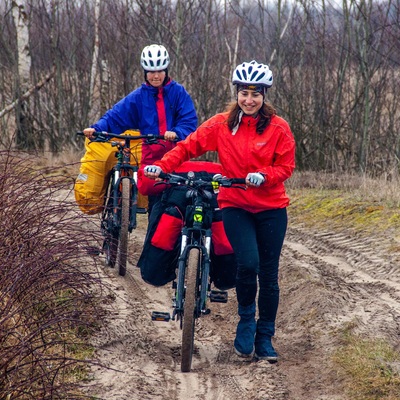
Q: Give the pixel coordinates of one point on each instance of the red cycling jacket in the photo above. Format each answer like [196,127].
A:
[272,153]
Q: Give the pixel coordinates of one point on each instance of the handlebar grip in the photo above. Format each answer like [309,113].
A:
[163,175]
[241,181]
[80,133]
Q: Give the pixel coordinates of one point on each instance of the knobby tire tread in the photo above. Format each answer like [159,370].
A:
[191,295]
[110,246]
[123,233]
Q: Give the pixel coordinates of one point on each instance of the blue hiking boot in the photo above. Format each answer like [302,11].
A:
[245,331]
[263,345]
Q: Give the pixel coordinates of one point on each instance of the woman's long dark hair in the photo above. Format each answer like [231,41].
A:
[265,113]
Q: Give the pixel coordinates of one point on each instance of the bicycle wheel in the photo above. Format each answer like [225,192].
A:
[123,233]
[189,309]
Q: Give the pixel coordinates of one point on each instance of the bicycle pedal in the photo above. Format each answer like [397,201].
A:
[219,296]
[141,210]
[160,316]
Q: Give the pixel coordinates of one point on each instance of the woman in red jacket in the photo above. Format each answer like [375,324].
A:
[252,142]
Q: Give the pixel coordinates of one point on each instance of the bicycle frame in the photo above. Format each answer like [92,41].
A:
[200,238]
[120,203]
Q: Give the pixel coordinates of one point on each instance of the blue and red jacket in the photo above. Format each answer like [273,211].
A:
[138,110]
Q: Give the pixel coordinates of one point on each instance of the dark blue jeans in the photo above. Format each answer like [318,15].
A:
[257,241]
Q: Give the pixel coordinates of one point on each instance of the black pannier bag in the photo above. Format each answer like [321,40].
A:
[223,262]
[159,258]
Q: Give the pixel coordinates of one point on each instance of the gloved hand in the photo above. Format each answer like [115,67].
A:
[255,178]
[152,171]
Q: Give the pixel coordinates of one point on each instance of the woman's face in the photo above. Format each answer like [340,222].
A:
[250,101]
[156,78]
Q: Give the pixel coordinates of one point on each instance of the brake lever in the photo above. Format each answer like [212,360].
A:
[239,187]
[160,183]
[100,137]
[152,141]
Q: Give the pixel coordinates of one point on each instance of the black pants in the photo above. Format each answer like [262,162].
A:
[257,241]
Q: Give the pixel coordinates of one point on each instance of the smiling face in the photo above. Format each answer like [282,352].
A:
[156,78]
[250,101]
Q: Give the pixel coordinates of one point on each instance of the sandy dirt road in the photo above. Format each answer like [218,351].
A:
[327,279]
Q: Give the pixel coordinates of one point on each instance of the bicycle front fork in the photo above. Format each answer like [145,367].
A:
[204,273]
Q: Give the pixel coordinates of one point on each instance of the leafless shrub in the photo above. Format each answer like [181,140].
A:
[49,291]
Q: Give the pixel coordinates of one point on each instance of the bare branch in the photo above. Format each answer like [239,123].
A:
[28,93]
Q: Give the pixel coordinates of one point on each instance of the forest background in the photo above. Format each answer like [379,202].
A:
[65,62]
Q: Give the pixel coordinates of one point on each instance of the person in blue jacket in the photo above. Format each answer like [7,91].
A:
[159,106]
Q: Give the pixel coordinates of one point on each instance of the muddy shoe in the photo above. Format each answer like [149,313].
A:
[263,344]
[245,331]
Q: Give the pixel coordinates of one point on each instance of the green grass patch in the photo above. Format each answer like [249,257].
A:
[335,208]
[369,368]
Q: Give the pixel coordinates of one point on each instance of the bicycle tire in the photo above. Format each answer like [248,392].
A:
[189,309]
[110,245]
[123,233]
[110,248]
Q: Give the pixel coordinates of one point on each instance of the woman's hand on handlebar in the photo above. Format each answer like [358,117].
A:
[255,179]
[170,136]
[152,171]
[88,132]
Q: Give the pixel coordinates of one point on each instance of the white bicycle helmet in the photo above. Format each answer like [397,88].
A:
[154,58]
[252,73]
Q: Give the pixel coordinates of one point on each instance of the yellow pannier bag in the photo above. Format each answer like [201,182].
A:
[96,165]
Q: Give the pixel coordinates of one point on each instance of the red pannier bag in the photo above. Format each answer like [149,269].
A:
[220,241]
[168,229]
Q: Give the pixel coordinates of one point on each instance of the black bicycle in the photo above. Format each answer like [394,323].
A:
[192,286]
[120,202]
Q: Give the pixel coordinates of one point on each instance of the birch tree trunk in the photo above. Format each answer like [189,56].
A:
[104,87]
[94,95]
[178,40]
[204,68]
[24,134]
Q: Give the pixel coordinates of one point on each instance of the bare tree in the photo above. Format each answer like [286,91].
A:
[24,132]
[93,100]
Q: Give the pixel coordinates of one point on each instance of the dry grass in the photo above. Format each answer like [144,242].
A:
[359,203]
[358,187]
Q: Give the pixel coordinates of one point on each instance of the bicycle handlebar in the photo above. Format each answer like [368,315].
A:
[178,180]
[106,136]
[228,182]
